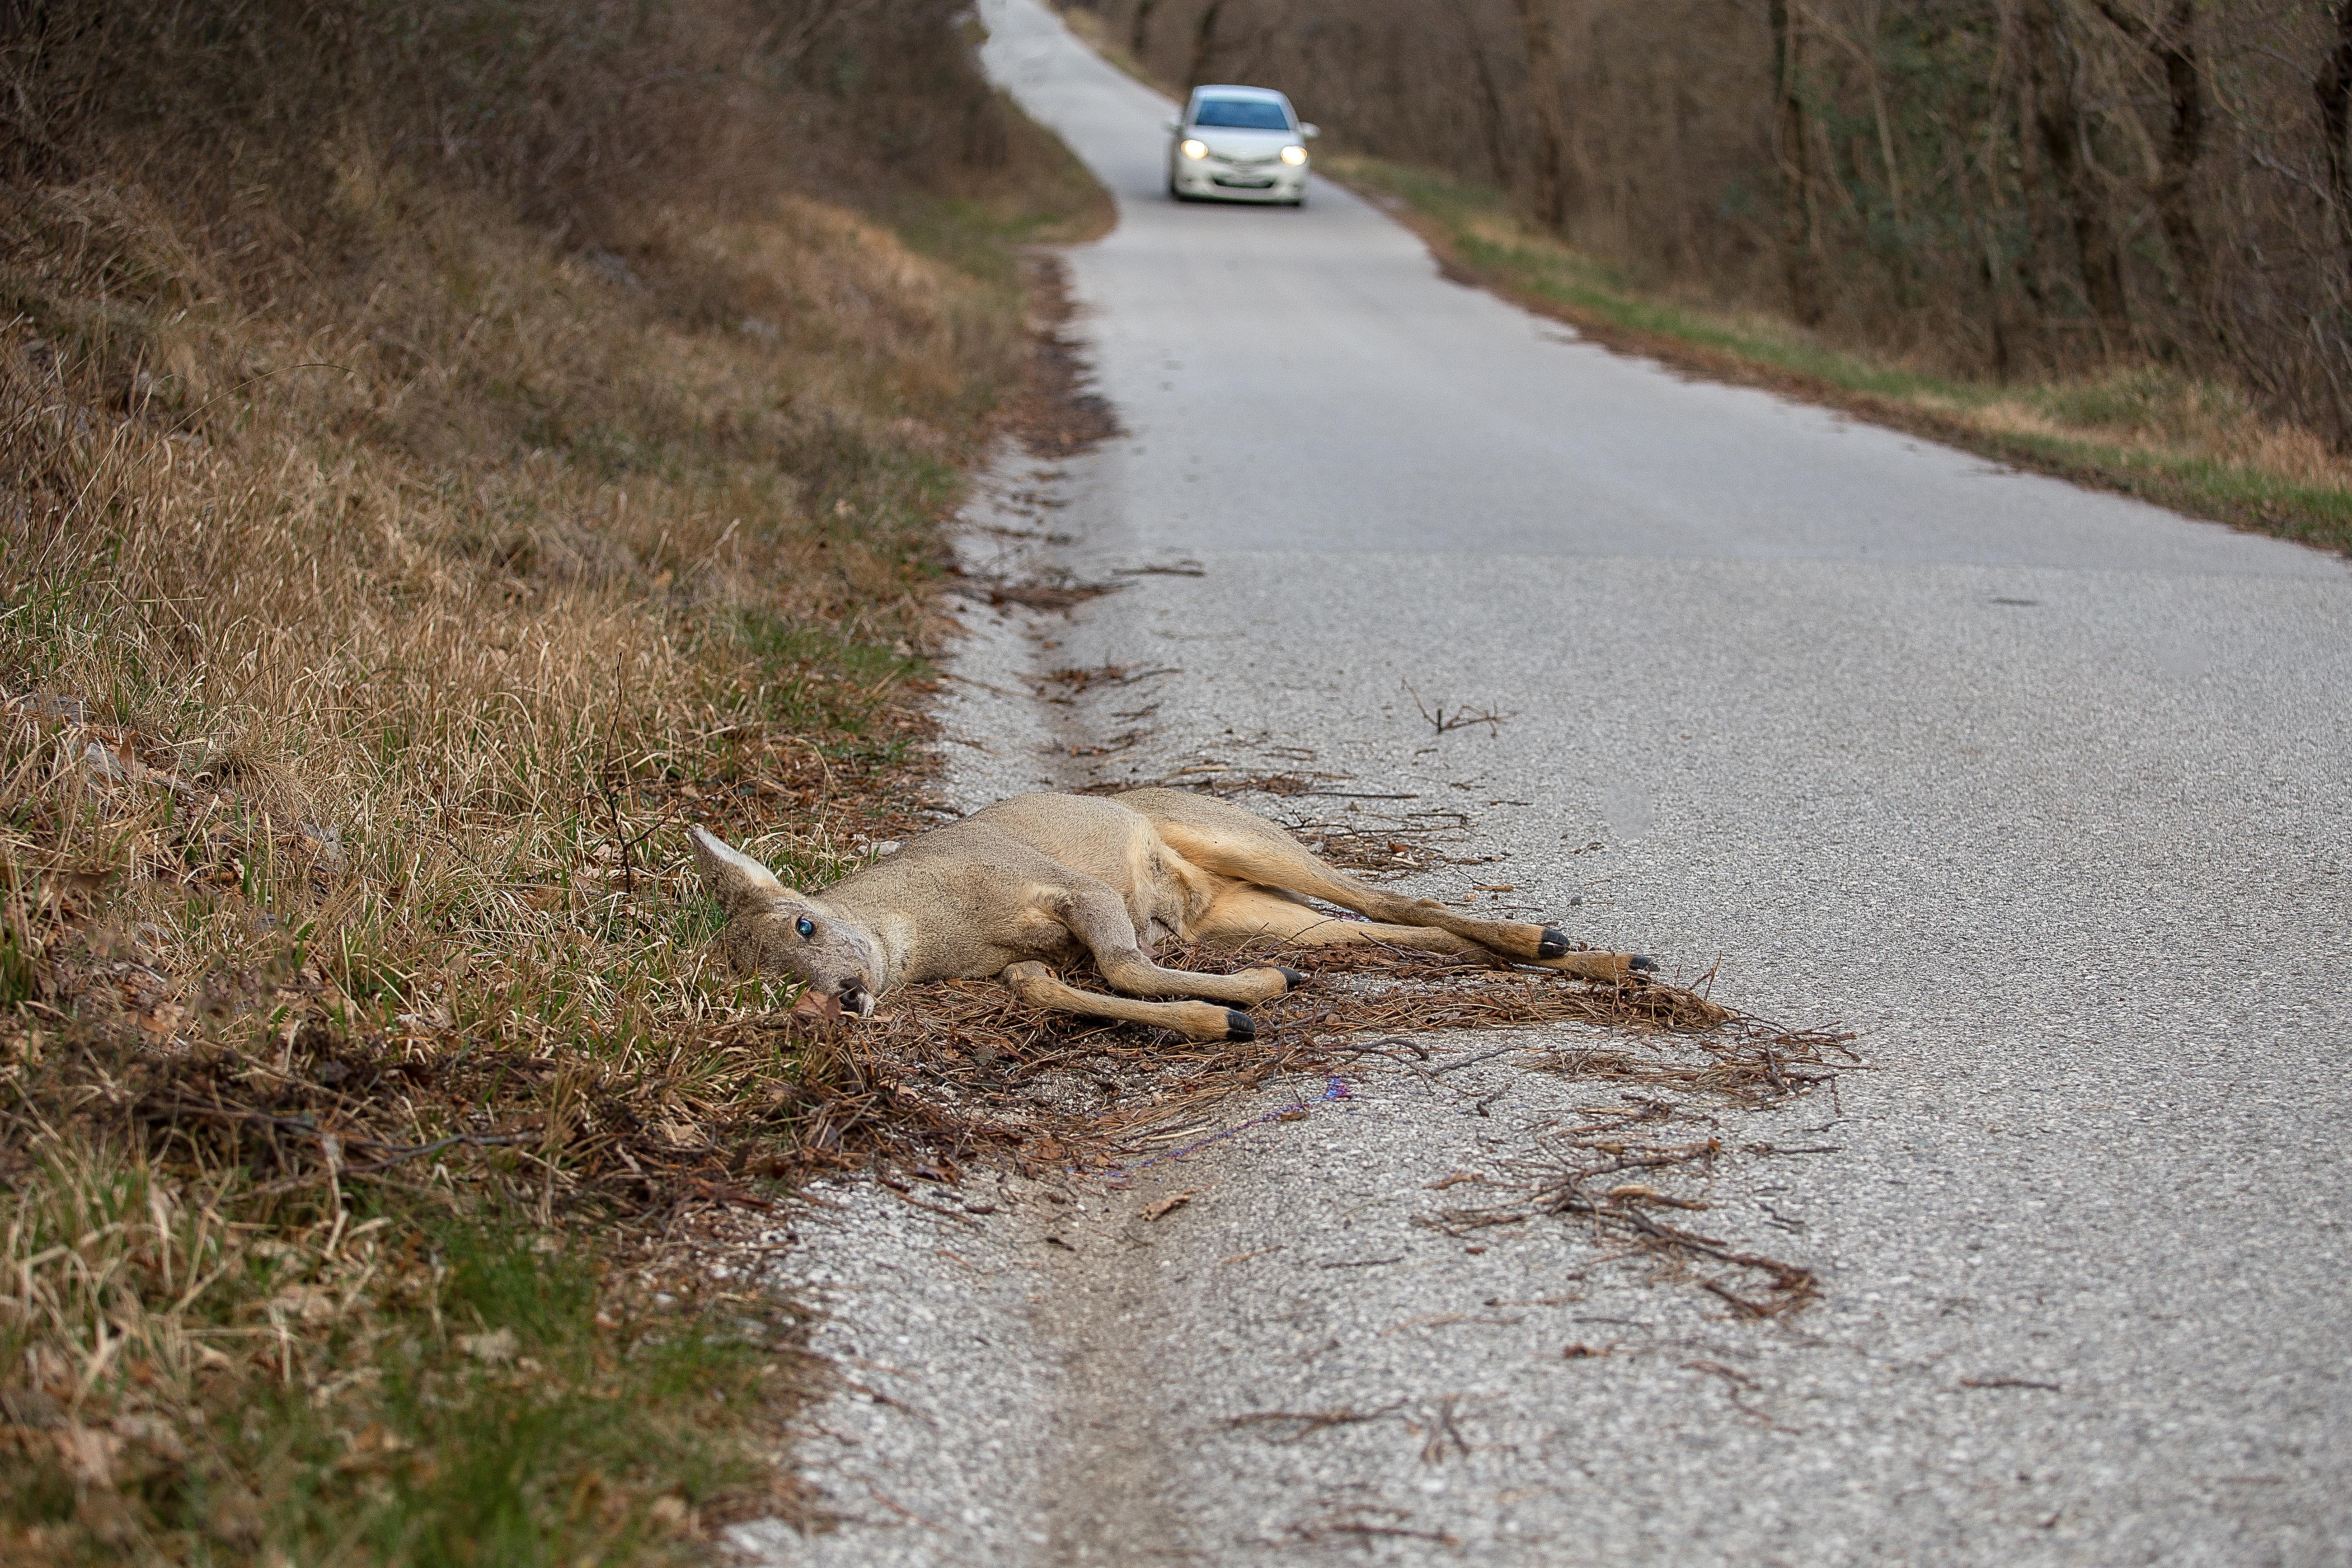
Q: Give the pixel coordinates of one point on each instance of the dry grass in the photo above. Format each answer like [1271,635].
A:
[2158,415]
[299,635]
[401,540]
[441,1393]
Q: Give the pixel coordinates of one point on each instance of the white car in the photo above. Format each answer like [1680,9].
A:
[1238,143]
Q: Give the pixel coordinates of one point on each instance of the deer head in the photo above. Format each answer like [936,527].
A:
[772,929]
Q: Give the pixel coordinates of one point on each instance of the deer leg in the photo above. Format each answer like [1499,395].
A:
[1041,987]
[1243,912]
[1099,917]
[1230,842]
[1246,913]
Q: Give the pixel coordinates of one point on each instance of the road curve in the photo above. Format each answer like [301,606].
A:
[2043,790]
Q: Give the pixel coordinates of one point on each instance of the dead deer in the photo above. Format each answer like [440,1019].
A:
[1026,886]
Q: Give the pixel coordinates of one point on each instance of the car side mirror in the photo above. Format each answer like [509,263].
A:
[1309,132]
[1173,126]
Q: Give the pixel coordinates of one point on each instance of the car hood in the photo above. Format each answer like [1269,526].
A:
[1231,144]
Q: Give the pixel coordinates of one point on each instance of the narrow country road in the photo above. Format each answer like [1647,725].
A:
[2044,791]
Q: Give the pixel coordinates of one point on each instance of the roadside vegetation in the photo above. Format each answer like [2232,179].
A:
[2107,239]
[445,448]
[2139,427]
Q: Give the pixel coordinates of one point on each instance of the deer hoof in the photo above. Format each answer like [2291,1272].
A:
[1238,1026]
[1552,944]
[1642,962]
[1290,977]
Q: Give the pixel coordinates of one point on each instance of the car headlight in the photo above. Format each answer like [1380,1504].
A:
[1294,156]
[1192,149]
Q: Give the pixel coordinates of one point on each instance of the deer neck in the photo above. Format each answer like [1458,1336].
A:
[894,945]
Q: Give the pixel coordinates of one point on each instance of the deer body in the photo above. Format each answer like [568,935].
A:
[1027,885]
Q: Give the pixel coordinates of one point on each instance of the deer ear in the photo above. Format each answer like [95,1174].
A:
[733,876]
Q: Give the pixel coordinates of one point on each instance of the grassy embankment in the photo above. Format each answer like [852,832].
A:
[2140,429]
[1089,27]
[421,496]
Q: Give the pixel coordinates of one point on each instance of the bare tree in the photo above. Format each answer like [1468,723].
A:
[1490,98]
[1990,184]
[2334,90]
[1204,44]
[1551,193]
[2174,47]
[2065,138]
[1792,146]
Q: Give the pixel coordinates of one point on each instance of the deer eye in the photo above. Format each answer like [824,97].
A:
[805,926]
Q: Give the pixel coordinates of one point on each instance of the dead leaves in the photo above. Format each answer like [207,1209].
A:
[1169,1205]
[1570,1177]
[817,1007]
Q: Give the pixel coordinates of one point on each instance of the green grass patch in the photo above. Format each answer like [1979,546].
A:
[1041,194]
[396,1384]
[820,680]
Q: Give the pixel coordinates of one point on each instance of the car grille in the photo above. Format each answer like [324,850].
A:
[1249,163]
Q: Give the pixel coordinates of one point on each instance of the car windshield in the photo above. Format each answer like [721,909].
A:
[1242,113]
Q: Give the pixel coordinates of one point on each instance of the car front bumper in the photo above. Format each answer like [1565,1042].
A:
[1207,177]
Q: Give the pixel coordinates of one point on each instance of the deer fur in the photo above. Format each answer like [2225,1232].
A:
[1027,885]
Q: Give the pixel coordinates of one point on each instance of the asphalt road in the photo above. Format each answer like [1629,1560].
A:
[2043,791]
